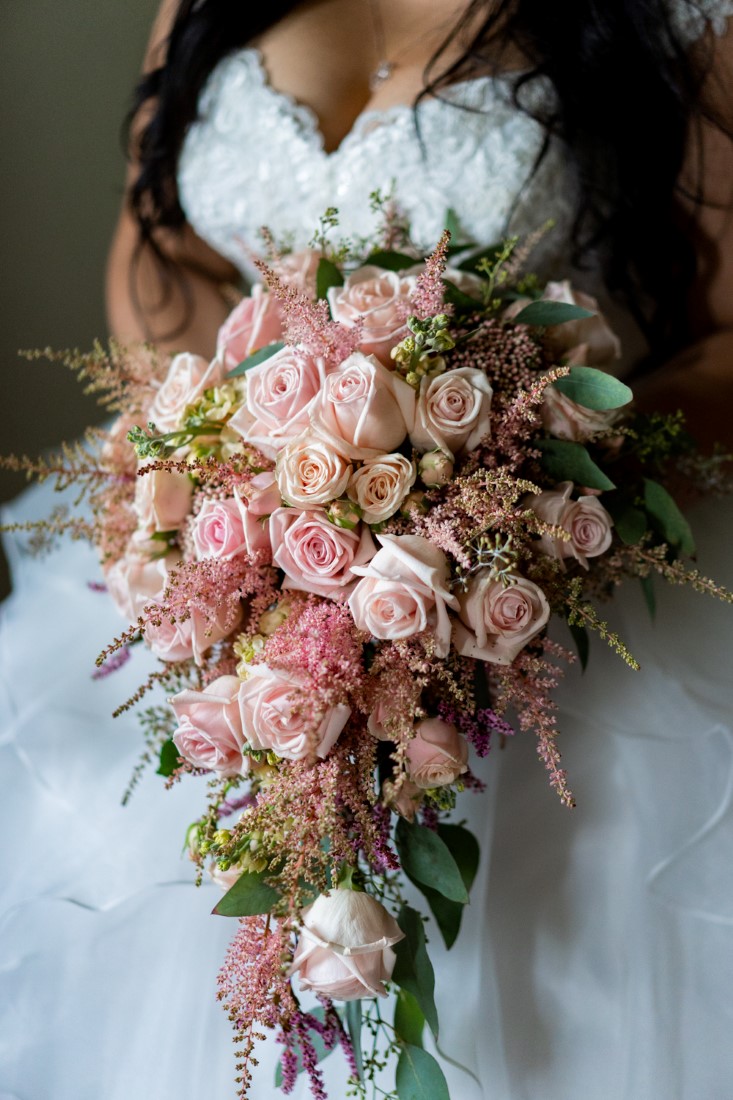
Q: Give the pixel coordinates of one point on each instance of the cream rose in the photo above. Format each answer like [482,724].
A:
[380,486]
[381,299]
[436,755]
[271,722]
[566,419]
[310,472]
[345,946]
[188,376]
[209,733]
[496,622]
[299,270]
[364,409]
[589,341]
[315,555]
[279,394]
[136,580]
[452,411]
[403,591]
[253,324]
[162,500]
[586,521]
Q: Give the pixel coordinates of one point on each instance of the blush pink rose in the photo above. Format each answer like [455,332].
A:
[403,591]
[209,733]
[345,946]
[162,500]
[381,300]
[257,499]
[136,580]
[279,394]
[188,376]
[496,622]
[218,531]
[315,555]
[588,342]
[192,637]
[453,411]
[311,472]
[380,485]
[436,755]
[253,324]
[566,419]
[271,721]
[586,521]
[300,269]
[225,879]
[364,409]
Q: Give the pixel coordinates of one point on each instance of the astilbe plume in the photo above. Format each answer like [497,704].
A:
[427,298]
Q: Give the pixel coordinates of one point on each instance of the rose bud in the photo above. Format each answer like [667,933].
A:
[436,469]
[344,513]
[345,946]
[414,504]
[270,621]
[404,801]
[437,754]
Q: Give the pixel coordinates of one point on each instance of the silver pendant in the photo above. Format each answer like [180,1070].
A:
[382,72]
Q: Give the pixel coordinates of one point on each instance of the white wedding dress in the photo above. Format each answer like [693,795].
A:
[596,956]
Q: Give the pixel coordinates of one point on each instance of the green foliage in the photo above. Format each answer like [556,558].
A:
[544,314]
[256,358]
[594,389]
[413,970]
[409,1020]
[327,275]
[322,1051]
[169,758]
[448,914]
[582,644]
[353,1026]
[650,596]
[667,520]
[390,261]
[457,298]
[426,857]
[249,896]
[564,460]
[629,521]
[419,1077]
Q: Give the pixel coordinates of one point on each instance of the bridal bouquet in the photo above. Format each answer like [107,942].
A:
[345,538]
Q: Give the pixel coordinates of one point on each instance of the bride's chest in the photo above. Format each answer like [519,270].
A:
[256,158]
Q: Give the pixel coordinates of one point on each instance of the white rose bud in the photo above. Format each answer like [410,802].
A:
[436,469]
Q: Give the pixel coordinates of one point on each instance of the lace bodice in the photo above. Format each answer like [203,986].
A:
[255,157]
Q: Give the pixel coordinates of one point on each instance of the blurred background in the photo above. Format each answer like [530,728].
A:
[66,76]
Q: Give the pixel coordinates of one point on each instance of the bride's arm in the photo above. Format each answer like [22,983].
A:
[137,307]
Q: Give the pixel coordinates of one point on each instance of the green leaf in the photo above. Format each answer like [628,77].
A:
[455,297]
[256,358]
[409,1021]
[582,644]
[448,914]
[594,389]
[427,858]
[413,970]
[327,275]
[452,224]
[249,896]
[169,758]
[322,1051]
[419,1077]
[546,313]
[629,521]
[650,596]
[391,261]
[491,253]
[564,460]
[465,850]
[353,1026]
[667,519]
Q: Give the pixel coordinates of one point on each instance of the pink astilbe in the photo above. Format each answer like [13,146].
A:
[308,324]
[213,586]
[514,431]
[428,297]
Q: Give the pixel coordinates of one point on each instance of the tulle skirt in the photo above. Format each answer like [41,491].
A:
[596,957]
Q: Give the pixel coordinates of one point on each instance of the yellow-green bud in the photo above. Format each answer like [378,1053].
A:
[344,513]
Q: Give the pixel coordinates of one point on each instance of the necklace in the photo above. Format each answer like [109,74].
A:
[386,65]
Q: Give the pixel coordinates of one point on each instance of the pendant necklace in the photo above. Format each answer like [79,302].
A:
[385,67]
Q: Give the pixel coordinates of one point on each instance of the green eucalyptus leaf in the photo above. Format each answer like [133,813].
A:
[249,896]
[464,848]
[545,314]
[419,1077]
[427,858]
[594,389]
[564,460]
[582,644]
[491,254]
[455,297]
[256,358]
[353,1026]
[413,970]
[327,275]
[322,1051]
[667,519]
[409,1019]
[169,758]
[629,521]
[650,596]
[448,914]
[391,261]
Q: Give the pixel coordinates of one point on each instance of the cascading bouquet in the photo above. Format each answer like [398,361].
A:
[345,538]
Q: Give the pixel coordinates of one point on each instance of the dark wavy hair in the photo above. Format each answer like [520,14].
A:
[627,93]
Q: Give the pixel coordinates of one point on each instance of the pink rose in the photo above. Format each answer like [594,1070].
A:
[364,409]
[404,801]
[279,394]
[588,342]
[565,419]
[209,733]
[403,591]
[380,486]
[310,472]
[452,411]
[188,376]
[225,879]
[381,299]
[271,722]
[436,755]
[162,500]
[192,637]
[253,324]
[257,499]
[345,946]
[315,555]
[586,521]
[136,580]
[218,531]
[299,270]
[498,621]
